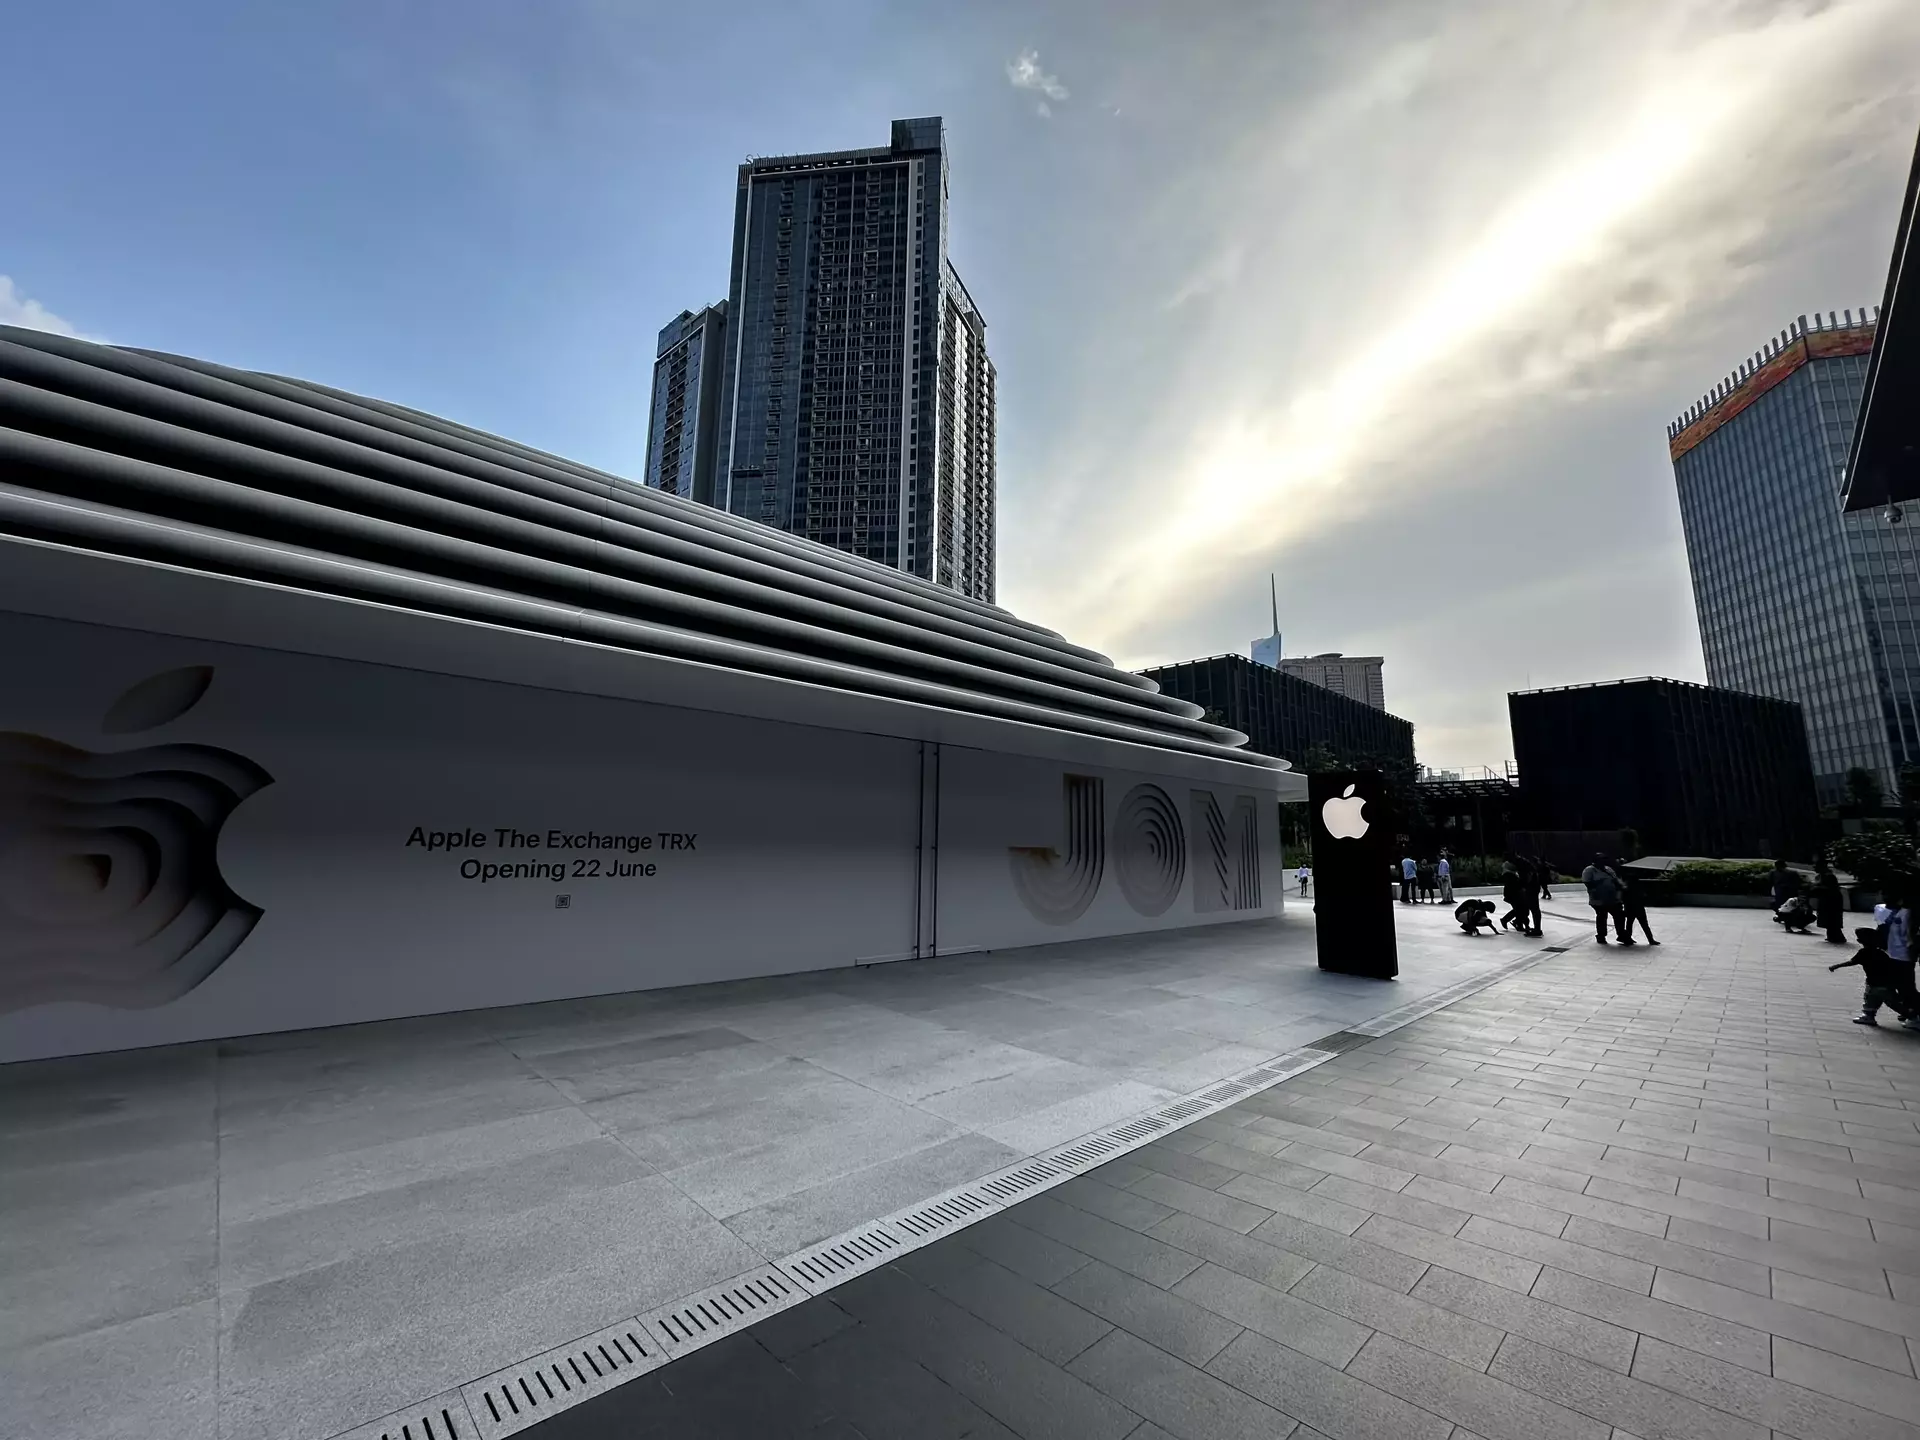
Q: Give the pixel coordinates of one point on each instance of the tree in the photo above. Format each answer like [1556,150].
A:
[1863,788]
[1877,859]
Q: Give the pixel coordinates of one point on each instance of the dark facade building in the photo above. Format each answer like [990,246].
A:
[858,399]
[1691,769]
[1284,715]
[683,432]
[1883,464]
[1795,599]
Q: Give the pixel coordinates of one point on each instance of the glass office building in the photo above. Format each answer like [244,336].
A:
[1794,599]
[858,398]
[683,432]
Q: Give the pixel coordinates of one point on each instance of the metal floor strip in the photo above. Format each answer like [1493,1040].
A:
[444,1417]
[522,1395]
[508,1401]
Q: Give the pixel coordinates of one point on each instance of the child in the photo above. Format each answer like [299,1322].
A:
[1472,914]
[1888,982]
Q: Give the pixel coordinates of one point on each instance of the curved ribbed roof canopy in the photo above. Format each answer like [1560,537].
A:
[157,457]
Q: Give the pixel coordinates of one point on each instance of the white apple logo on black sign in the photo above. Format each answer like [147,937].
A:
[110,884]
[1344,815]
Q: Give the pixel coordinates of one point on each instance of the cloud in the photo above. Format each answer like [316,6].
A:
[1489,218]
[18,309]
[1024,73]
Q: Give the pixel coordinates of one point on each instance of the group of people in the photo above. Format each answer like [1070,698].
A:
[1799,912]
[1613,893]
[1426,882]
[1885,958]
[1524,882]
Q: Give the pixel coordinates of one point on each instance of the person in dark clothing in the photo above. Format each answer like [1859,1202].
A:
[1786,884]
[1514,891]
[1603,894]
[1545,872]
[1424,874]
[1633,906]
[1530,885]
[1472,914]
[1889,983]
[1830,906]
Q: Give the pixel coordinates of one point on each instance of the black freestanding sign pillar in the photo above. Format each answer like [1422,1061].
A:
[1353,868]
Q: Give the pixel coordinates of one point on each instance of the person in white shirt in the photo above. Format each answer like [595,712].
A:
[1898,928]
[1408,871]
[1303,875]
[1446,879]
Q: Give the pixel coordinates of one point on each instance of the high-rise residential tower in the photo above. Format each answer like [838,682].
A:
[1794,599]
[1359,676]
[683,433]
[858,399]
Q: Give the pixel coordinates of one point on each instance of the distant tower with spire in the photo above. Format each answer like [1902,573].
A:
[1266,651]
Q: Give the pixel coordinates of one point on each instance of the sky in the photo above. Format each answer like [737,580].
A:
[1389,299]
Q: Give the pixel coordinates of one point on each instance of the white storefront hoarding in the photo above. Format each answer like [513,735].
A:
[200,838]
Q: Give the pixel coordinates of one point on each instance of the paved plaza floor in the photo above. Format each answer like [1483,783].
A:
[1669,1193]
[288,1236]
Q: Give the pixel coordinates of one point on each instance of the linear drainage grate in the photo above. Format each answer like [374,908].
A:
[1181,1111]
[1083,1153]
[1144,1129]
[945,1214]
[722,1309]
[1010,1184]
[442,1418]
[510,1400]
[842,1259]
[1220,1094]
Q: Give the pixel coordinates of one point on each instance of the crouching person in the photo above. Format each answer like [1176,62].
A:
[1472,914]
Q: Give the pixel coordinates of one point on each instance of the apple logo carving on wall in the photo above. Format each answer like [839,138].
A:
[1344,815]
[110,884]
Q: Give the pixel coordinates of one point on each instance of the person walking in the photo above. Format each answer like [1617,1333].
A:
[1303,875]
[1829,905]
[1445,872]
[1603,894]
[1408,870]
[1899,934]
[1514,891]
[1633,906]
[1530,887]
[1545,872]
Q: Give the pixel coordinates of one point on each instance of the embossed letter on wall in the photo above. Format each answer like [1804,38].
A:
[1058,887]
[1226,854]
[1150,849]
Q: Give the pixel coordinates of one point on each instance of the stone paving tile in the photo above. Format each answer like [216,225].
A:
[1786,1408]
[1502,1309]
[1277,1315]
[1492,1406]
[1328,1400]
[1166,1319]
[1617,1399]
[1676,1324]
[1181,1400]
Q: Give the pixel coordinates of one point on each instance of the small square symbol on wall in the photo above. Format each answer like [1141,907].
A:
[563,902]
